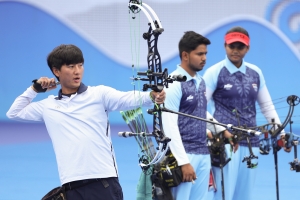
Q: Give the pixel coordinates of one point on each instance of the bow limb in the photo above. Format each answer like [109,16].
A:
[135,5]
[292,100]
[275,129]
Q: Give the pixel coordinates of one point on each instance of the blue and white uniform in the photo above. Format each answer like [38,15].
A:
[233,92]
[188,135]
[78,127]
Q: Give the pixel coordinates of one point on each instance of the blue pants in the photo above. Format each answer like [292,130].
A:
[108,190]
[238,179]
[198,190]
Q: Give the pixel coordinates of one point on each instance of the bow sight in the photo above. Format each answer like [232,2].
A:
[160,76]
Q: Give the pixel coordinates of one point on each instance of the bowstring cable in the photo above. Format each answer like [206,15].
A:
[276,101]
[140,125]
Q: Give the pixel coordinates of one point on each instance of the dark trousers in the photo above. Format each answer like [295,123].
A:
[95,189]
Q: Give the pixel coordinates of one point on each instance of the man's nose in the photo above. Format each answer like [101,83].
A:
[77,68]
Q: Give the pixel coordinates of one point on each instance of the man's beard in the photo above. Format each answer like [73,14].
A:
[192,67]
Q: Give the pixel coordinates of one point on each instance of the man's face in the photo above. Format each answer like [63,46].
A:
[236,52]
[70,77]
[197,58]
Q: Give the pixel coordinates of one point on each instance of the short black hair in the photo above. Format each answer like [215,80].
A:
[64,55]
[190,41]
[239,30]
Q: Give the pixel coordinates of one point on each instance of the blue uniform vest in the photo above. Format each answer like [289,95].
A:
[235,98]
[192,131]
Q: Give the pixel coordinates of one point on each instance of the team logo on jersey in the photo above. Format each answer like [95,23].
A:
[57,107]
[254,85]
[227,86]
[190,98]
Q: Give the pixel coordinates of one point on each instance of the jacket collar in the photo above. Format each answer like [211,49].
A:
[82,88]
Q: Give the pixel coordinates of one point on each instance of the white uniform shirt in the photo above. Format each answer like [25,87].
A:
[78,127]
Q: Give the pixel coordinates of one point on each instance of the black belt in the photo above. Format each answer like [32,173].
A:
[76,184]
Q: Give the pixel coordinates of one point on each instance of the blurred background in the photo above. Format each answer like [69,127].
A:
[111,40]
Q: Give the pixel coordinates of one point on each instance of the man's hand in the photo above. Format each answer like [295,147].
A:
[46,82]
[282,137]
[229,136]
[209,134]
[188,173]
[158,97]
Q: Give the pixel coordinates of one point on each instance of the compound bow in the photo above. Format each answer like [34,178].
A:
[157,79]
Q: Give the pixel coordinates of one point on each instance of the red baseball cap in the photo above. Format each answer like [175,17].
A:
[237,37]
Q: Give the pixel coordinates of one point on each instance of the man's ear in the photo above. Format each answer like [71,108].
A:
[184,55]
[55,71]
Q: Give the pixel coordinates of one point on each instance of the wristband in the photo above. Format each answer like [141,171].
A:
[38,87]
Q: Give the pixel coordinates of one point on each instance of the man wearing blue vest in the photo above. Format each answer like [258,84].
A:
[188,136]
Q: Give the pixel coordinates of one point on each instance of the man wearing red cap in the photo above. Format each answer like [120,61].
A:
[234,86]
